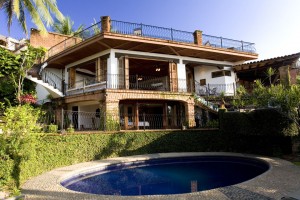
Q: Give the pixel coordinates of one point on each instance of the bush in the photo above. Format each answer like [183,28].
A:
[17,143]
[52,128]
[258,122]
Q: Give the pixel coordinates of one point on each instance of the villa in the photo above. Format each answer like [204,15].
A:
[138,76]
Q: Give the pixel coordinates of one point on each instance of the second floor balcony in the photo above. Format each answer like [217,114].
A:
[149,83]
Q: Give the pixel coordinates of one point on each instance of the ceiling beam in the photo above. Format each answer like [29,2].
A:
[104,44]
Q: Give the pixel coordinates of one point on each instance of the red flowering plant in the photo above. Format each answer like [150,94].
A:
[27,99]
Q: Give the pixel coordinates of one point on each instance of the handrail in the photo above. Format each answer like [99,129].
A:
[52,79]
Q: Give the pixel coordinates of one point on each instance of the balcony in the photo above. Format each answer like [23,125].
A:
[141,37]
[135,82]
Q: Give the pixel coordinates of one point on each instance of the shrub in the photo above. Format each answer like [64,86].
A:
[259,122]
[52,128]
[17,143]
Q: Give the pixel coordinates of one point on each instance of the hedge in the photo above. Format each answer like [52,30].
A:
[47,151]
[263,122]
[53,151]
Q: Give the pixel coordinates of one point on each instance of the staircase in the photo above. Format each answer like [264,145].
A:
[207,105]
[50,81]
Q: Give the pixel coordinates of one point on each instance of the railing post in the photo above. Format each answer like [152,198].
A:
[234,89]
[141,29]
[221,42]
[242,45]
[83,85]
[208,90]
[171,34]
[137,81]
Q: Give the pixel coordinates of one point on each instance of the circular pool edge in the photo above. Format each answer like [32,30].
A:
[201,166]
[276,182]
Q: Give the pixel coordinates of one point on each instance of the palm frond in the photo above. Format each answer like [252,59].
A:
[22,19]
[35,17]
[44,12]
[8,7]
[16,7]
[51,4]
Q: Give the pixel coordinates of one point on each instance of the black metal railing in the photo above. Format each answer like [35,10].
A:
[85,121]
[52,79]
[80,120]
[88,84]
[75,39]
[220,42]
[128,28]
[136,82]
[215,89]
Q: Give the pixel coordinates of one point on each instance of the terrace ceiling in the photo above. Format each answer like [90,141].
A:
[106,41]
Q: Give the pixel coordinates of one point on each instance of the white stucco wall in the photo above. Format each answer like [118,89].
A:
[223,83]
[112,70]
[181,71]
[86,117]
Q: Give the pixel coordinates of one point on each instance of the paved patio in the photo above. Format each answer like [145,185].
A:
[282,180]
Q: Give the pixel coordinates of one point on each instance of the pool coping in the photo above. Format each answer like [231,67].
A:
[279,181]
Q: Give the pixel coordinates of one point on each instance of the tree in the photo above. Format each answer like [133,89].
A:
[27,59]
[39,10]
[66,27]
[14,68]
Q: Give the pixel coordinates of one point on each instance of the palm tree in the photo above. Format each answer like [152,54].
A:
[66,27]
[41,12]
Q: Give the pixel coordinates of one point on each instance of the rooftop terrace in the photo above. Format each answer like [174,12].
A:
[148,31]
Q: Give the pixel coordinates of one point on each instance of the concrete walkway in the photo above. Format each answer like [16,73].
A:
[280,182]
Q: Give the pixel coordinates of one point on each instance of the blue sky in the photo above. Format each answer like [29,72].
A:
[273,25]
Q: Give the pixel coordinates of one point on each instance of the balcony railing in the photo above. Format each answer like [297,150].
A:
[143,30]
[149,31]
[215,89]
[136,82]
[100,121]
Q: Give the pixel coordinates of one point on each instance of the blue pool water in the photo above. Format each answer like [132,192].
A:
[168,176]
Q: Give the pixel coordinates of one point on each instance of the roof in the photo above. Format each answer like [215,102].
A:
[271,62]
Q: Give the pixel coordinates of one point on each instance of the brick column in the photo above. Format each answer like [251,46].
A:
[105,24]
[190,114]
[198,37]
[284,73]
[111,117]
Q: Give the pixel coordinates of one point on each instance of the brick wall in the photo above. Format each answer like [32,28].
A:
[50,40]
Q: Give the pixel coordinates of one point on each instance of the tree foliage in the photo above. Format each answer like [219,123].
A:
[284,98]
[17,142]
[9,63]
[66,27]
[40,12]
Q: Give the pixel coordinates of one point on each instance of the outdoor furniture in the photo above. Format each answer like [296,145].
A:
[140,123]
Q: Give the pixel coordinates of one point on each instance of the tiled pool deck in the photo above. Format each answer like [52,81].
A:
[282,180]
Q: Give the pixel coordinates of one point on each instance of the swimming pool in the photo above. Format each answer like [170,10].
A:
[167,175]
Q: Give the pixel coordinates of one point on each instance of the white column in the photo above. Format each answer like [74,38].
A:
[112,70]
[181,76]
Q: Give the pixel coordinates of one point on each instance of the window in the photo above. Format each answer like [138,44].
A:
[202,82]
[220,73]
